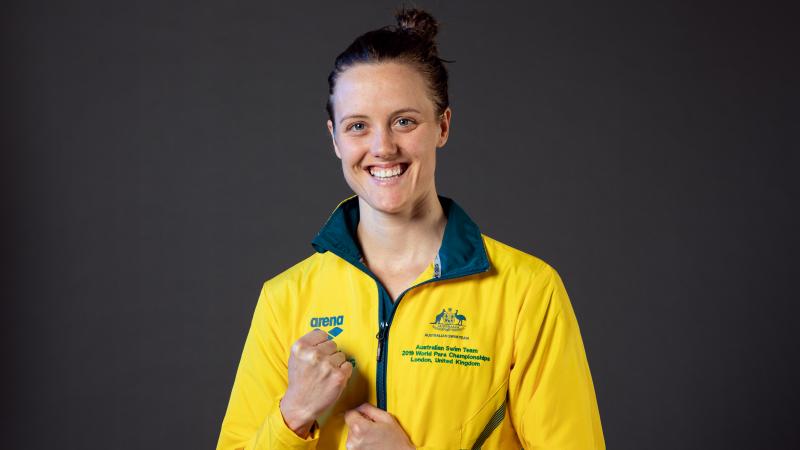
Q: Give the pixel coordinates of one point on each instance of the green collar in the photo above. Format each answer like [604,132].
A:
[462,251]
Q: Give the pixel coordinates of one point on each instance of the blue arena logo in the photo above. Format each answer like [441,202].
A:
[331,321]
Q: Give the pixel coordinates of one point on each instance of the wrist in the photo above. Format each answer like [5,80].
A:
[296,419]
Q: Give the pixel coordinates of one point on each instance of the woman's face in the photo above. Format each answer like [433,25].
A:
[386,134]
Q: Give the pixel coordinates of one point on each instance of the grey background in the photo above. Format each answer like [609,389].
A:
[160,160]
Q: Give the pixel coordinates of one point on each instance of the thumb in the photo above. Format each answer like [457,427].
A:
[376,414]
[354,417]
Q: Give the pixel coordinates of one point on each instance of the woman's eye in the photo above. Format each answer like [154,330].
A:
[404,122]
[358,126]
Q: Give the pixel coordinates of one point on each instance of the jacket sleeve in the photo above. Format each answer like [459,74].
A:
[253,420]
[552,402]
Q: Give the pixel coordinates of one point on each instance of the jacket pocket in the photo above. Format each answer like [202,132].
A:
[486,420]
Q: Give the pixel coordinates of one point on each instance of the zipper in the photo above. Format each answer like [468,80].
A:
[385,323]
[383,327]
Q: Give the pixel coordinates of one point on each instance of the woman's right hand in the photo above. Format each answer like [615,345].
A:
[318,373]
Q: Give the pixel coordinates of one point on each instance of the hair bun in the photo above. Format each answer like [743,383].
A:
[418,22]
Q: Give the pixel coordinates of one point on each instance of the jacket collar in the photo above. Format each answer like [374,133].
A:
[461,253]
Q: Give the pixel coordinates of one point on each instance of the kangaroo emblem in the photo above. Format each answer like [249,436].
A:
[439,317]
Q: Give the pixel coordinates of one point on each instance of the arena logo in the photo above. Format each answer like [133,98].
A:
[330,321]
[447,320]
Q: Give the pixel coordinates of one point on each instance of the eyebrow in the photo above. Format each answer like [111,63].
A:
[361,116]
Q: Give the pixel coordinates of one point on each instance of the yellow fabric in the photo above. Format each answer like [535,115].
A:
[517,321]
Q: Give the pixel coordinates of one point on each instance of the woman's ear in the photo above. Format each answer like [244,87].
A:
[333,139]
[444,127]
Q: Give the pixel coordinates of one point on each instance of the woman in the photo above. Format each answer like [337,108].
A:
[408,327]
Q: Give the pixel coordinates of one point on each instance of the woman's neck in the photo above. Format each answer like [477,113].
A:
[396,242]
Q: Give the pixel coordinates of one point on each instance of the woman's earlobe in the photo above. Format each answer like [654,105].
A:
[445,122]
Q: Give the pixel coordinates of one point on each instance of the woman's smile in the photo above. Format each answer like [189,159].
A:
[387,174]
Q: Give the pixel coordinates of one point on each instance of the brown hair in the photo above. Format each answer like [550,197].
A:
[410,41]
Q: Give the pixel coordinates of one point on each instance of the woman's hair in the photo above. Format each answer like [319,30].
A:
[411,41]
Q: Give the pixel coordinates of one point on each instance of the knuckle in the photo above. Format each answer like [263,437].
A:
[337,377]
[298,347]
[325,369]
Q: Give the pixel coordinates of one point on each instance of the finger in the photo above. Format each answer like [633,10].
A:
[337,359]
[355,420]
[356,428]
[314,337]
[347,368]
[374,414]
[327,348]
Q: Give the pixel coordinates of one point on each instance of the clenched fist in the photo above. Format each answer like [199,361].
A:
[318,373]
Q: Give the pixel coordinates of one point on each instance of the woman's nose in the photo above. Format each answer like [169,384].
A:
[383,143]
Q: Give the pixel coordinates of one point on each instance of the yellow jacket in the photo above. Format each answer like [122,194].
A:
[482,351]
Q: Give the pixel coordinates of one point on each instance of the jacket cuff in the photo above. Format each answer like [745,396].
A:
[281,431]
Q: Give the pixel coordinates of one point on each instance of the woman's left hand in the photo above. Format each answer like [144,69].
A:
[371,427]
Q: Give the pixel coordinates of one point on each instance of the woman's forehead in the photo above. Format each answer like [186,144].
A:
[382,87]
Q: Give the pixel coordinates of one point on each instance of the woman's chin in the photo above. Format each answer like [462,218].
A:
[388,203]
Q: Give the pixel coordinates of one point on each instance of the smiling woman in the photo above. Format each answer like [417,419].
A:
[408,328]
[387,136]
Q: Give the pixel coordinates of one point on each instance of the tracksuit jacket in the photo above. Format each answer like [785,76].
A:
[482,351]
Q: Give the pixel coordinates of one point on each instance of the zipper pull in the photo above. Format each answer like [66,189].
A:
[382,327]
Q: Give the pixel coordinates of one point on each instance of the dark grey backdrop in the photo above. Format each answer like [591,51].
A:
[160,160]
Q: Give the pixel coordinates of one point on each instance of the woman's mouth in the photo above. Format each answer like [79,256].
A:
[387,173]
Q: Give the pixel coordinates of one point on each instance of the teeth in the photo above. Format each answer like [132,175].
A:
[385,173]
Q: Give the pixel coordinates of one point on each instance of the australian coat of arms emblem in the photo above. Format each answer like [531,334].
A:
[447,320]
